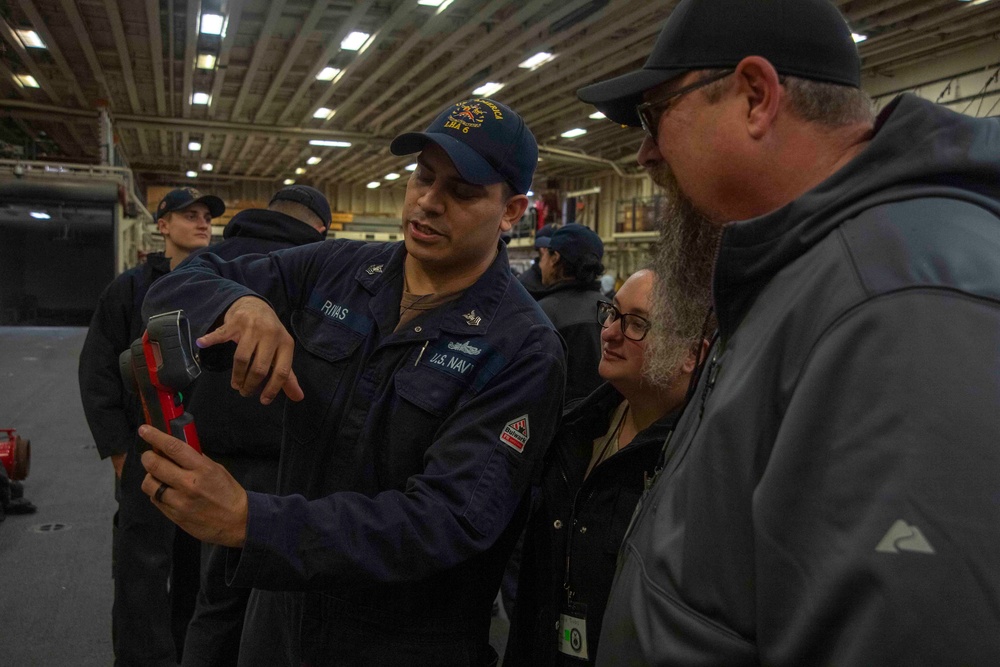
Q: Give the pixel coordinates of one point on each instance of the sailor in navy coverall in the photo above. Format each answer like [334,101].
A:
[404,470]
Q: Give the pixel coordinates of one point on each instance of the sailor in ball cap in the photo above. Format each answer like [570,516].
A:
[830,495]
[425,385]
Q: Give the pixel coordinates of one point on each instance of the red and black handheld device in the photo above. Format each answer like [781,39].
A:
[158,367]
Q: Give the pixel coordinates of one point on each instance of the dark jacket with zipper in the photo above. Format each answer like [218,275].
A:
[830,496]
[227,423]
[580,522]
[404,471]
[572,308]
[113,412]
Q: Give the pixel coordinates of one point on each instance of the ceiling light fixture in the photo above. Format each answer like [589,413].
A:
[324,113]
[373,185]
[858,38]
[207,166]
[488,88]
[191,174]
[205,61]
[327,74]
[575,132]
[314,160]
[327,142]
[411,167]
[354,41]
[300,170]
[30,39]
[537,60]
[194,146]
[200,98]
[40,215]
[289,181]
[597,115]
[25,81]
[212,24]
[391,176]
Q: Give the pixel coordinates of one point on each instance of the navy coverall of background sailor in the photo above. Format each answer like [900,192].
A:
[405,469]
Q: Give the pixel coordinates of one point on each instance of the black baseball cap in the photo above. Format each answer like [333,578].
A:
[544,231]
[181,198]
[574,242]
[809,39]
[311,198]
[486,140]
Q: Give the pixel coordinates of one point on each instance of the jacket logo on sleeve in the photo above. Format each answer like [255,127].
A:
[373,269]
[515,433]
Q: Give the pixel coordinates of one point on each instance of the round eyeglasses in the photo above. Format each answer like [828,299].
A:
[634,327]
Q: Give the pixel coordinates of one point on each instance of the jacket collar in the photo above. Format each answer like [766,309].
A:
[470,315]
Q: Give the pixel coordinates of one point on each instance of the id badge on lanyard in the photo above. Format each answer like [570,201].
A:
[573,630]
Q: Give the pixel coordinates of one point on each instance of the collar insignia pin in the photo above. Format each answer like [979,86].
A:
[374,268]
[472,319]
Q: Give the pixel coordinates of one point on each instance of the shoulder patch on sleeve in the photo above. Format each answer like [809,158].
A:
[515,433]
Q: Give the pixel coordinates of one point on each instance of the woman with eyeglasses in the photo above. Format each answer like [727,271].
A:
[594,474]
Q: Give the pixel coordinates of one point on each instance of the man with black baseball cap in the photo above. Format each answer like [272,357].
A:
[830,493]
[154,566]
[244,436]
[425,385]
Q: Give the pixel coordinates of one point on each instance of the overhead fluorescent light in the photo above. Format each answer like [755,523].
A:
[430,3]
[354,41]
[324,113]
[30,39]
[373,185]
[194,146]
[212,24]
[597,115]
[207,166]
[488,89]
[858,37]
[314,160]
[205,61]
[391,176]
[200,98]
[327,142]
[40,215]
[537,60]
[411,167]
[289,181]
[575,132]
[327,74]
[25,81]
[300,170]
[529,193]
[191,174]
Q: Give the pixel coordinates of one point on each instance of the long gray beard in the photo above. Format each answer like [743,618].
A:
[683,261]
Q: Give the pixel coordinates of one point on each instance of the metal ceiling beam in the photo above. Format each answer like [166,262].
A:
[259,50]
[118,32]
[235,12]
[302,36]
[190,55]
[74,19]
[156,53]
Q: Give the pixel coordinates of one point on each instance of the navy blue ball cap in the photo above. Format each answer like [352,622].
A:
[809,39]
[544,231]
[486,140]
[181,198]
[311,198]
[574,242]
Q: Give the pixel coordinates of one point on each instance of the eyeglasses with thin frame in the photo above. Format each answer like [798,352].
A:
[652,111]
[634,327]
